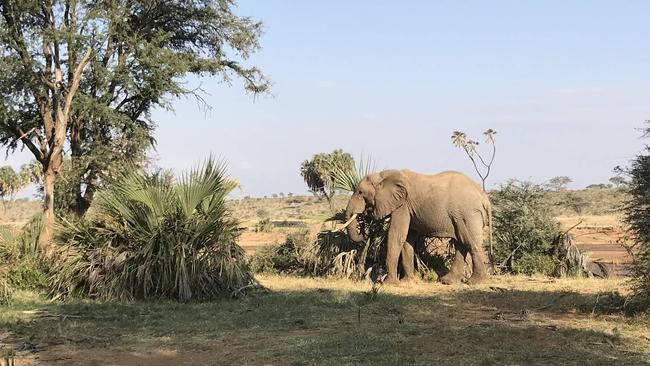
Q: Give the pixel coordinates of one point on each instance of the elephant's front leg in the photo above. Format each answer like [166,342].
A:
[399,227]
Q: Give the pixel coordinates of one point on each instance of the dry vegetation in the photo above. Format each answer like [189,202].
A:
[510,320]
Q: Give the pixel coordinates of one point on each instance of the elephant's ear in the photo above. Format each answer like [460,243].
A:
[391,194]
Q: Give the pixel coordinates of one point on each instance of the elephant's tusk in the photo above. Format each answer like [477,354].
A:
[352,218]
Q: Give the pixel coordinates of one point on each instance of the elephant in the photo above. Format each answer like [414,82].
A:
[444,205]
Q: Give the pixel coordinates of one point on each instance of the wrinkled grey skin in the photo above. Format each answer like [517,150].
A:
[444,205]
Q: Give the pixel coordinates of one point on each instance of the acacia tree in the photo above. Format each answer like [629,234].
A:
[320,172]
[559,183]
[618,182]
[87,73]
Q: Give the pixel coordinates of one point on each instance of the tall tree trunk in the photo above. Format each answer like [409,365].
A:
[45,238]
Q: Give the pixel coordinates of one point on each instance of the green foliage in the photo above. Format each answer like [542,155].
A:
[320,172]
[264,226]
[637,216]
[153,237]
[28,274]
[21,268]
[29,235]
[523,225]
[531,263]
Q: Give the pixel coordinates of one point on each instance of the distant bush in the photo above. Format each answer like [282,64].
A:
[262,213]
[599,186]
[149,236]
[263,226]
[591,201]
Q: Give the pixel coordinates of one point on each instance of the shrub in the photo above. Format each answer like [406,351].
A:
[531,263]
[150,236]
[524,228]
[28,274]
[264,226]
[637,216]
[294,256]
[20,266]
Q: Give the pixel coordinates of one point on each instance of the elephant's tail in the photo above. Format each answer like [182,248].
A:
[487,206]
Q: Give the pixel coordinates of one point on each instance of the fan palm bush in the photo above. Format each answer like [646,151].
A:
[153,236]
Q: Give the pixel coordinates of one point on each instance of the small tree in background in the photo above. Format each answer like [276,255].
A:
[618,182]
[10,183]
[558,183]
[319,172]
[481,165]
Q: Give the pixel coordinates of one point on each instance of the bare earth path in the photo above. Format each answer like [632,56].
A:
[508,321]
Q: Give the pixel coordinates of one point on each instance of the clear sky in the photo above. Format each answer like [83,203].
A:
[565,84]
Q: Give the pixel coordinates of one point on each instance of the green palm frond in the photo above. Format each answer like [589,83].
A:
[348,180]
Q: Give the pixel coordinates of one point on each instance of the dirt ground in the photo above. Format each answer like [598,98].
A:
[603,238]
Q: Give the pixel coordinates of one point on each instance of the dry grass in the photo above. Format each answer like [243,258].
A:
[17,213]
[508,321]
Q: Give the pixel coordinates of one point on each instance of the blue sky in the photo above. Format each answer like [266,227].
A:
[565,84]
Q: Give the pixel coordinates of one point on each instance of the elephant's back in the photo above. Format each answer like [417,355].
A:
[449,178]
[449,189]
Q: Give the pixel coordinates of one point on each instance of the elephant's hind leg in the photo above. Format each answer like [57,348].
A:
[457,270]
[479,269]
[471,236]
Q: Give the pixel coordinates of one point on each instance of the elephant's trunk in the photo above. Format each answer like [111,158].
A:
[356,206]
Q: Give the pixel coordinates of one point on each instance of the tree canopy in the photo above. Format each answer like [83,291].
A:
[320,172]
[559,183]
[86,74]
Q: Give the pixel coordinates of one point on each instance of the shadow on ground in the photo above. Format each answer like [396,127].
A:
[327,326]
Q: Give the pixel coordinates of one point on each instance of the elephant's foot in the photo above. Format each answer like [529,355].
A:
[391,280]
[477,278]
[409,278]
[450,278]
